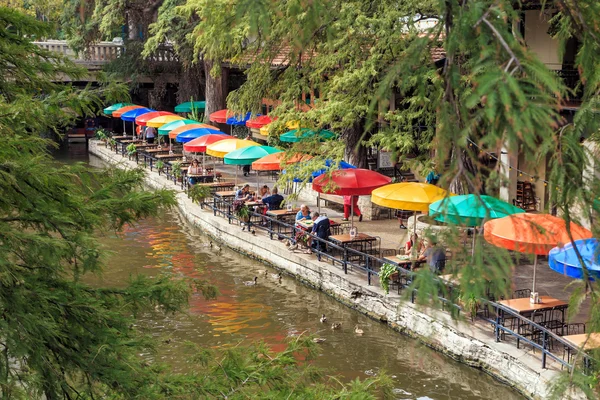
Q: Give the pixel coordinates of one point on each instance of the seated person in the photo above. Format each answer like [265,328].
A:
[273,201]
[435,256]
[321,229]
[263,192]
[194,169]
[413,243]
[243,193]
[304,213]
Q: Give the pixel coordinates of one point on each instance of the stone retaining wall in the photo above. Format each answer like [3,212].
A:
[460,340]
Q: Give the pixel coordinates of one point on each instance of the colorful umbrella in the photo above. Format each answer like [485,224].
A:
[192,134]
[198,145]
[259,121]
[131,115]
[273,162]
[219,117]
[532,234]
[174,132]
[413,196]
[168,127]
[297,135]
[188,105]
[350,182]
[290,125]
[239,120]
[471,209]
[122,110]
[144,118]
[115,107]
[564,259]
[221,148]
[162,120]
[247,155]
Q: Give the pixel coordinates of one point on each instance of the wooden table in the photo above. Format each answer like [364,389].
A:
[219,186]
[307,224]
[284,216]
[523,306]
[361,242]
[578,340]
[403,261]
[157,150]
[280,214]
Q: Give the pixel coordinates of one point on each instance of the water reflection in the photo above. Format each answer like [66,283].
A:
[274,310]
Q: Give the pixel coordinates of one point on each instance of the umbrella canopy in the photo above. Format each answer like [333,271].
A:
[223,147]
[173,133]
[131,115]
[297,135]
[162,120]
[329,164]
[238,119]
[169,126]
[144,118]
[273,162]
[350,182]
[564,260]
[413,196]
[470,209]
[198,145]
[259,121]
[123,110]
[115,107]
[219,117]
[188,105]
[247,155]
[192,134]
[531,233]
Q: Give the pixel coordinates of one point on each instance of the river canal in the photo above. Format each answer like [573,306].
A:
[275,309]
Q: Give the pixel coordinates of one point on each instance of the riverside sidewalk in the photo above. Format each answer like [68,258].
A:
[471,343]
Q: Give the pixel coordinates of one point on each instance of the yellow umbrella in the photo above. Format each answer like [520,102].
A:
[290,125]
[163,119]
[223,147]
[413,196]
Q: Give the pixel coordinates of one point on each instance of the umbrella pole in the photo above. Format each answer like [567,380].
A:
[473,246]
[352,212]
[534,268]
[257,184]
[133,129]
[318,200]
[214,168]
[236,175]
[124,131]
[415,223]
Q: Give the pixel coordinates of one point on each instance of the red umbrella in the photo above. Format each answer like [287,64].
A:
[259,121]
[198,145]
[350,182]
[219,117]
[144,118]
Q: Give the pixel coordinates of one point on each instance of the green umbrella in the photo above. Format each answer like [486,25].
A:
[168,127]
[298,134]
[115,107]
[188,105]
[470,209]
[247,155]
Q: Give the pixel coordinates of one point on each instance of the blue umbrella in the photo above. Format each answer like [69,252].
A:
[192,134]
[238,119]
[564,259]
[328,164]
[130,115]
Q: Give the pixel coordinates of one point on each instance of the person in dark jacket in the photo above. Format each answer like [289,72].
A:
[321,229]
[273,201]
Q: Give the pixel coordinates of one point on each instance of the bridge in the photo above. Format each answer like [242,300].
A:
[95,56]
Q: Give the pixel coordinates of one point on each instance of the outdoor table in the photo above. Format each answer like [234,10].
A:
[207,177]
[149,154]
[284,216]
[120,137]
[307,225]
[124,143]
[593,342]
[223,200]
[361,242]
[524,307]
[219,186]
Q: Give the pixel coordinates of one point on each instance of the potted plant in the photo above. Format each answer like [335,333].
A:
[470,304]
[176,166]
[103,135]
[112,143]
[198,193]
[241,210]
[131,149]
[385,273]
[160,166]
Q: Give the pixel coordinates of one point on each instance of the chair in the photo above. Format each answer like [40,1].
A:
[577,328]
[521,294]
[553,320]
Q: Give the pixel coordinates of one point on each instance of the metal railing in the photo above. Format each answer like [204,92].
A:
[351,259]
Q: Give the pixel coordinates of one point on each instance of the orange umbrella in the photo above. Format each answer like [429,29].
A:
[120,111]
[219,117]
[272,162]
[532,234]
[173,134]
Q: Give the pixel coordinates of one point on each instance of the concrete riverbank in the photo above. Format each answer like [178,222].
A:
[470,343]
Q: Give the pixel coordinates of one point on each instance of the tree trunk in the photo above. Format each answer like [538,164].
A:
[191,83]
[355,153]
[216,89]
